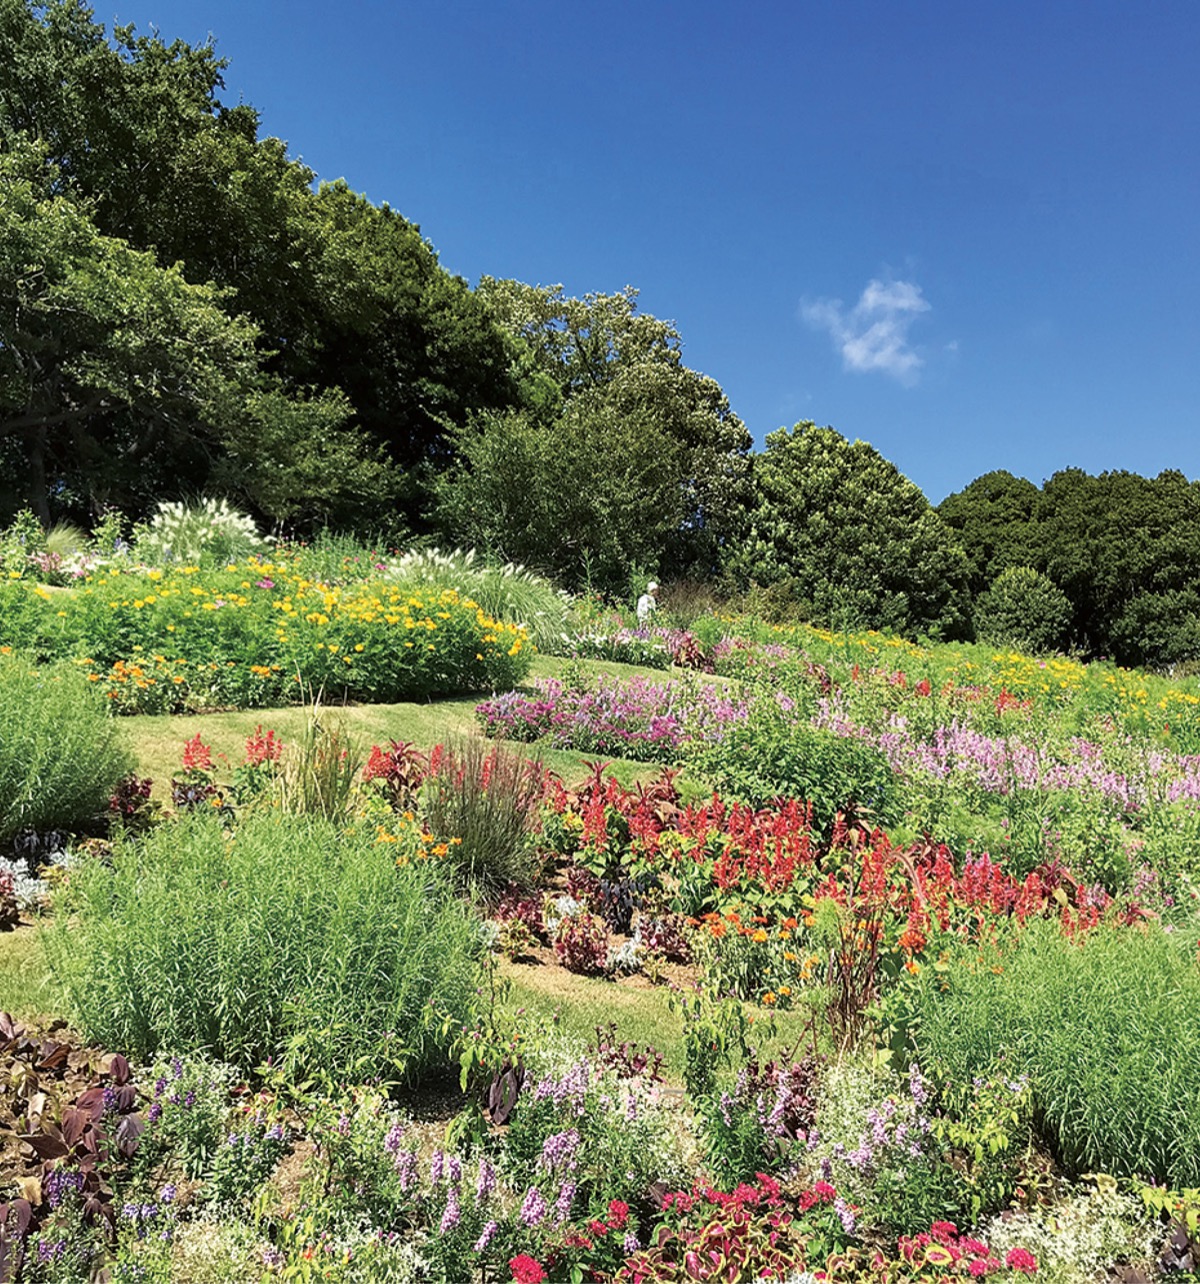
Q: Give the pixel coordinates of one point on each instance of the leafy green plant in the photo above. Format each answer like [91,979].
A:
[61,757]
[287,938]
[774,753]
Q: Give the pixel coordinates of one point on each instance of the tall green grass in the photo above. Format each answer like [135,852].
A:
[60,754]
[483,801]
[288,938]
[1108,1031]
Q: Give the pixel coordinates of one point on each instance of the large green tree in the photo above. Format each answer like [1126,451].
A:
[995,521]
[858,542]
[343,295]
[114,369]
[624,459]
[1126,550]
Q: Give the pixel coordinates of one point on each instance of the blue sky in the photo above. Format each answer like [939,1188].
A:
[967,233]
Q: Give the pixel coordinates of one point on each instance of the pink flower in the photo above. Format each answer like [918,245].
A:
[526,1269]
[1021,1259]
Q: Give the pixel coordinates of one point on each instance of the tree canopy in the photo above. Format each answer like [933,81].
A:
[1125,550]
[623,460]
[344,302]
[857,540]
[117,367]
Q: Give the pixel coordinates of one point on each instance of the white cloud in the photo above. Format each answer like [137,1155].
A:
[873,335]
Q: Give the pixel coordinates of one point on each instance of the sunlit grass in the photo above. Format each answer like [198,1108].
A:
[27,990]
[158,740]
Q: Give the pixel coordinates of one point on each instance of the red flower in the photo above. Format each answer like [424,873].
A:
[526,1269]
[618,1214]
[196,756]
[260,748]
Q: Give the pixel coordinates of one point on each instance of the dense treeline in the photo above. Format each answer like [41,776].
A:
[1124,551]
[183,308]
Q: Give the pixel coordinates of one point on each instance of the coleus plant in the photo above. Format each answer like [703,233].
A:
[72,1112]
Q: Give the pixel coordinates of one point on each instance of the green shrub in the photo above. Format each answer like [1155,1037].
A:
[1023,609]
[262,633]
[287,938]
[774,752]
[1108,1029]
[61,756]
[25,617]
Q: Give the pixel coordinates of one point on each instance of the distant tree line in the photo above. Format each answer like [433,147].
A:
[1123,551]
[184,309]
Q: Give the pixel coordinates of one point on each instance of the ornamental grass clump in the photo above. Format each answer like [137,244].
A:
[509,592]
[482,802]
[210,531]
[1106,1026]
[287,938]
[60,755]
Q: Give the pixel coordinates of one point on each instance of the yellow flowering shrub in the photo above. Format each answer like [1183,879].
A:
[259,632]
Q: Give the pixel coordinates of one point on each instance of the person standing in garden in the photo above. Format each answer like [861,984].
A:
[648,603]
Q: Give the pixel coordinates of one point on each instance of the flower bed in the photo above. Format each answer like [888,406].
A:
[639,718]
[260,633]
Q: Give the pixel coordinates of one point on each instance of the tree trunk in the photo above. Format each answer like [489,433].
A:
[38,497]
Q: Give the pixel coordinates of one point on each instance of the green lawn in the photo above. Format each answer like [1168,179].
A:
[158,741]
[26,988]
[642,1012]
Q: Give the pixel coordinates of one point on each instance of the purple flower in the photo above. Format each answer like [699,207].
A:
[450,1217]
[916,1085]
[562,1205]
[405,1164]
[558,1150]
[486,1238]
[533,1209]
[487,1179]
